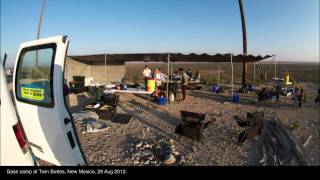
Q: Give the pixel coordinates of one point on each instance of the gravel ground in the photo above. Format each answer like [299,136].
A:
[148,138]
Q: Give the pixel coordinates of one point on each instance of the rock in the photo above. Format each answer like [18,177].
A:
[176,153]
[151,157]
[139,145]
[169,160]
[146,153]
[171,141]
[147,162]
[305,144]
[136,162]
[182,160]
[137,154]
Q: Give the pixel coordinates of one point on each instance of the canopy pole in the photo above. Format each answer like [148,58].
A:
[39,27]
[172,69]
[105,67]
[254,72]
[219,76]
[275,67]
[231,76]
[168,78]
[244,41]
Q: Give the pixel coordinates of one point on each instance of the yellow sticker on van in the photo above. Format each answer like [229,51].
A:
[32,93]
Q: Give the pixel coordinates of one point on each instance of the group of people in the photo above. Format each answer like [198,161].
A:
[156,74]
[299,95]
[160,78]
[195,78]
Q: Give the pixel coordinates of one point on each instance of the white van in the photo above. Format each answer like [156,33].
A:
[14,145]
[38,93]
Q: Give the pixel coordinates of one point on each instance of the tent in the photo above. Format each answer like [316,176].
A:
[120,59]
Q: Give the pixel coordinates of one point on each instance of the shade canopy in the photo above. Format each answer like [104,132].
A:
[163,57]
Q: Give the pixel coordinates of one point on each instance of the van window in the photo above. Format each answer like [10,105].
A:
[34,80]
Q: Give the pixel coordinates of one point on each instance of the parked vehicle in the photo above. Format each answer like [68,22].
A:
[39,99]
[15,148]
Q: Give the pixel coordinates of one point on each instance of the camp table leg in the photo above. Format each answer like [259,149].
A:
[148,101]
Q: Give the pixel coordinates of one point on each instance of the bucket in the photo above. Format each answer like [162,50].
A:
[236,98]
[286,79]
[162,101]
[151,85]
[171,97]
[215,88]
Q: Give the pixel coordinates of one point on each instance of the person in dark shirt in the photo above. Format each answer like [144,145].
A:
[277,92]
[184,83]
[300,97]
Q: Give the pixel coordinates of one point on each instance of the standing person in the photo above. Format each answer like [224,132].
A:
[277,92]
[163,77]
[189,73]
[157,78]
[184,83]
[300,97]
[146,74]
[197,76]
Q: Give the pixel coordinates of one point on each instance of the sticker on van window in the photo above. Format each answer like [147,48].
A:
[32,93]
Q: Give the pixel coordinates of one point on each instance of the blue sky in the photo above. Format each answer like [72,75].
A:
[288,28]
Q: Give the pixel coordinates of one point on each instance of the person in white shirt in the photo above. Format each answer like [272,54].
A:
[163,77]
[146,74]
[197,76]
[157,76]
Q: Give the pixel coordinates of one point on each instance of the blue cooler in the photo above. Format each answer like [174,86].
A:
[162,101]
[236,98]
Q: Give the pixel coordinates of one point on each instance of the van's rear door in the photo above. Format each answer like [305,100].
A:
[38,91]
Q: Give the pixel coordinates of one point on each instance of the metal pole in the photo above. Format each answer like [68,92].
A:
[105,68]
[171,73]
[244,37]
[4,60]
[231,76]
[39,27]
[275,67]
[219,76]
[41,15]
[168,78]
[254,72]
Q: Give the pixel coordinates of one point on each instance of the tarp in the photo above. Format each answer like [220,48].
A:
[163,57]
